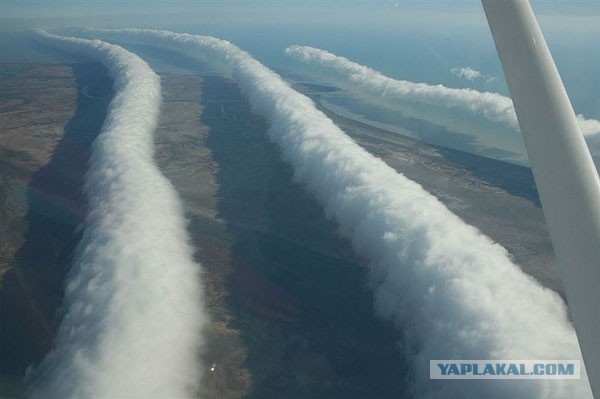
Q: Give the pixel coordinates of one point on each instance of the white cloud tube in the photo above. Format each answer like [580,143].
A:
[133,299]
[451,291]
[493,106]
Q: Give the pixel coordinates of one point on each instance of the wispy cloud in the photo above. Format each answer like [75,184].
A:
[451,291]
[133,299]
[466,72]
[471,74]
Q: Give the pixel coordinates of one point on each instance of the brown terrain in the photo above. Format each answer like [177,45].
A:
[46,128]
[291,314]
[268,254]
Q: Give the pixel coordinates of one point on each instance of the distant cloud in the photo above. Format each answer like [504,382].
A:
[467,73]
[492,106]
[472,74]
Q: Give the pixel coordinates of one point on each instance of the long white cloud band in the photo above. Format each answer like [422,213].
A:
[133,299]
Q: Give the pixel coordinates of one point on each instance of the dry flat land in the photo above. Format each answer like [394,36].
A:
[35,104]
[291,315]
[46,128]
[270,259]
[288,296]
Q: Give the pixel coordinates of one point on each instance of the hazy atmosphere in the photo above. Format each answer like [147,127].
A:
[276,199]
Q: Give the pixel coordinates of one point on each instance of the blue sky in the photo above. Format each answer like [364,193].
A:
[413,40]
[263,11]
